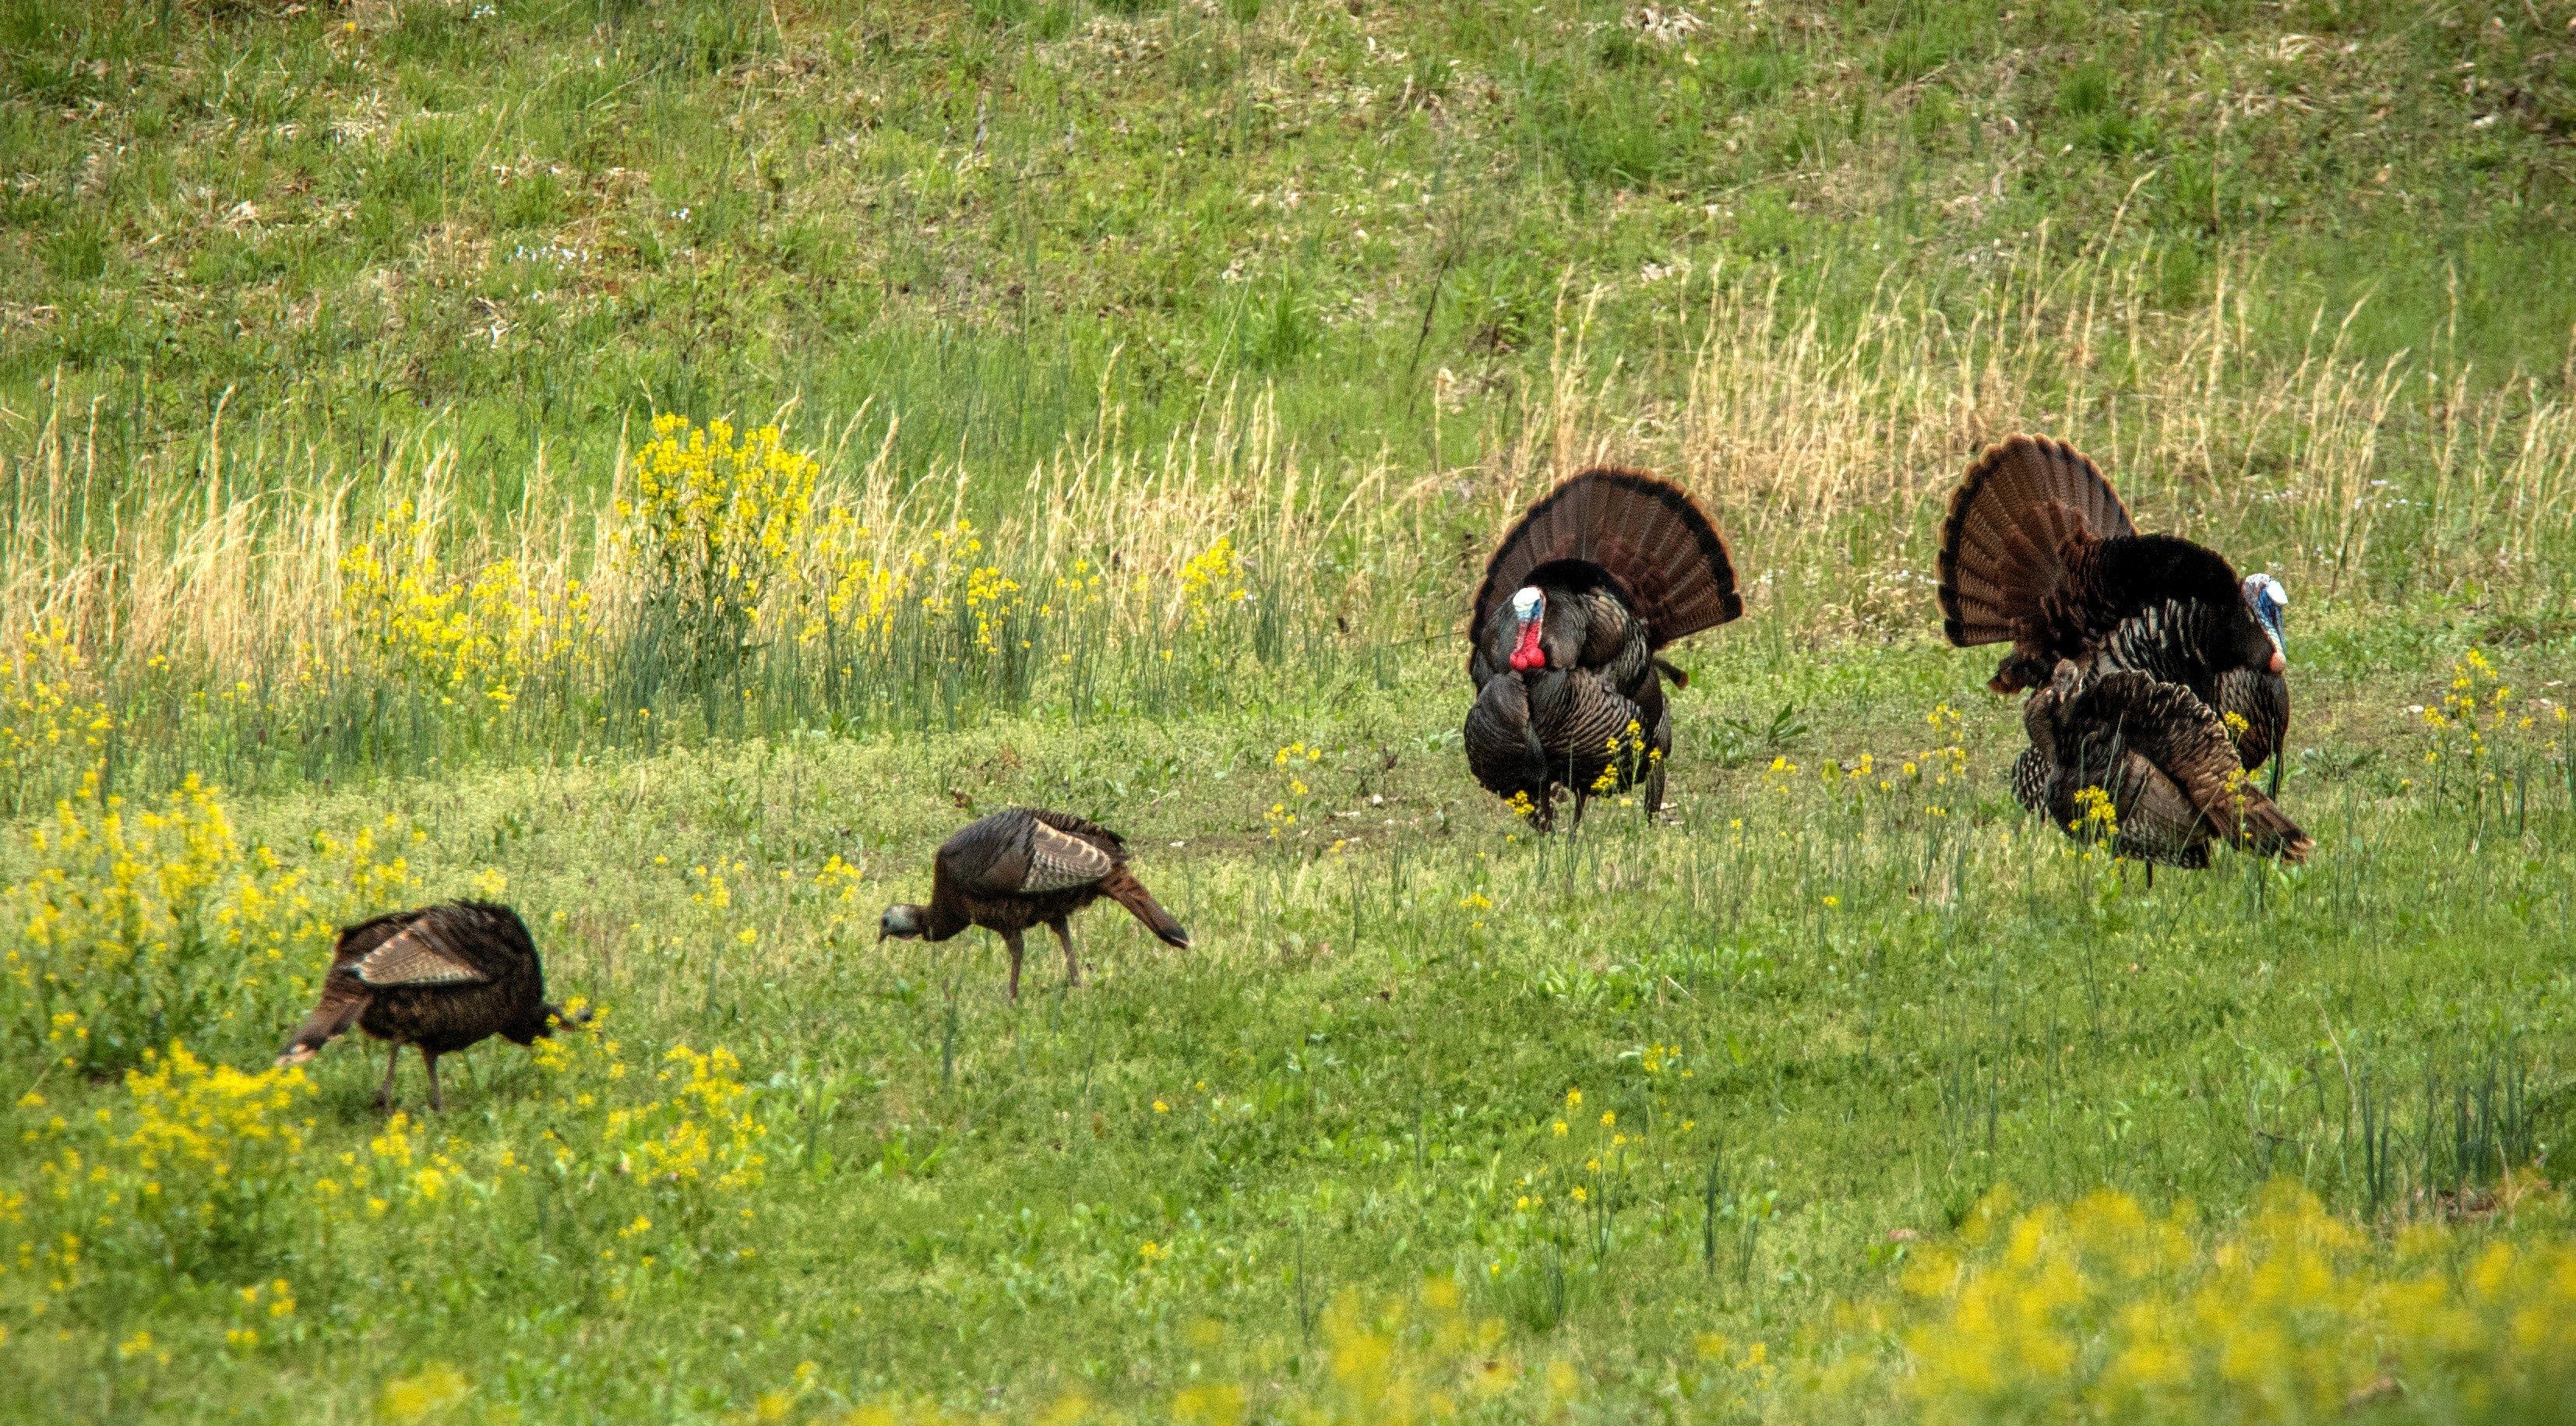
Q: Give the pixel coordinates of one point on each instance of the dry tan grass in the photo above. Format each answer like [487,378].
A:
[1827,452]
[1825,449]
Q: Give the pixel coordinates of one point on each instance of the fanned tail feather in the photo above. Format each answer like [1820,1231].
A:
[1648,535]
[2013,517]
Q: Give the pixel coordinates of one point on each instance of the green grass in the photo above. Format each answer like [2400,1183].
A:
[551,218]
[1869,1016]
[1342,288]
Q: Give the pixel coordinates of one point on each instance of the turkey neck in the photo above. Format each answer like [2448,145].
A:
[946,918]
[1582,628]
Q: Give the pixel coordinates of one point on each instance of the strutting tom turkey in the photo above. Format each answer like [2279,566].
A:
[442,978]
[2159,672]
[1583,591]
[2037,551]
[1027,867]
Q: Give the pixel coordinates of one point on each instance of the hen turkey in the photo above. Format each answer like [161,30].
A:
[1585,587]
[1027,867]
[442,978]
[2038,551]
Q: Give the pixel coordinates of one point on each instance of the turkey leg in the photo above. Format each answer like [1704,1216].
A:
[385,1091]
[1011,941]
[437,1105]
[1072,967]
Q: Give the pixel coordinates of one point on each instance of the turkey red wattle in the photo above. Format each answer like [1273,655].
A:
[1527,655]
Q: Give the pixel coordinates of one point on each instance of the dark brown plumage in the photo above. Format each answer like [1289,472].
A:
[442,978]
[2038,551]
[1603,571]
[1027,867]
[2161,756]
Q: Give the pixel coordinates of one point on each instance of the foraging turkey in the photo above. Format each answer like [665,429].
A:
[1608,568]
[442,977]
[2168,779]
[1027,867]
[2038,550]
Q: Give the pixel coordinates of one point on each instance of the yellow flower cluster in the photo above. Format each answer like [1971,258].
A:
[717,517]
[841,879]
[859,594]
[412,1398]
[263,1307]
[1211,582]
[2097,818]
[471,639]
[1292,760]
[1627,752]
[188,1115]
[2102,1309]
[2482,733]
[194,1153]
[991,599]
[50,715]
[2477,702]
[1396,1360]
[131,925]
[1923,781]
[698,1131]
[2096,1311]
[704,1131]
[207,1168]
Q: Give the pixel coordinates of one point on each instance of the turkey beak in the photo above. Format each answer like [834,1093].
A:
[294,1055]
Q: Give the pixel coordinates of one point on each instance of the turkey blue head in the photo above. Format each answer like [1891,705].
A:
[2269,600]
[1529,607]
[901,921]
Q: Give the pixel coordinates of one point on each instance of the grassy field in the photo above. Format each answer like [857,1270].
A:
[394,510]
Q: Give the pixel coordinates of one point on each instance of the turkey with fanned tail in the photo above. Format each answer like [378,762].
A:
[2146,768]
[1583,591]
[2038,551]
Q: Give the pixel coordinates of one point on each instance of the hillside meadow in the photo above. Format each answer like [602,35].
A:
[667,466]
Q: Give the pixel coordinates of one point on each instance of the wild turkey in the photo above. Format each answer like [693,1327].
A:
[2168,779]
[2038,550]
[442,977]
[1026,867]
[1603,571]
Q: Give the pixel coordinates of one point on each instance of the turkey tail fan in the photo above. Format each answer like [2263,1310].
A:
[2009,520]
[1659,548]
